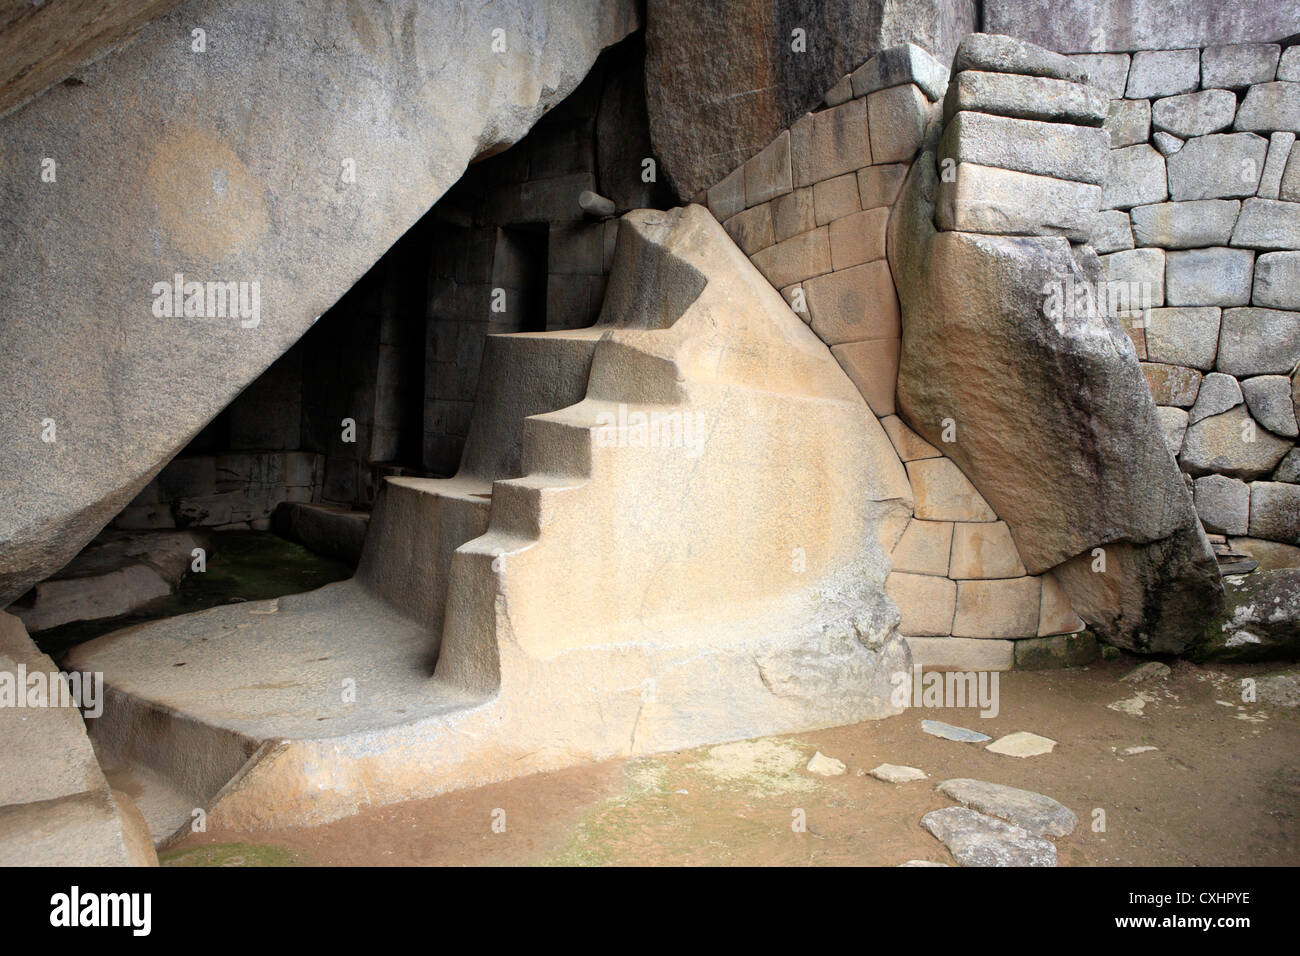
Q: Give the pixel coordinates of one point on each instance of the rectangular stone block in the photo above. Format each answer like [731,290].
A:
[1270,106]
[900,65]
[1185,225]
[752,229]
[1217,276]
[1163,73]
[924,548]
[858,238]
[873,367]
[1194,114]
[1279,151]
[1025,97]
[898,118]
[1055,614]
[1275,511]
[1218,166]
[767,174]
[793,213]
[854,304]
[1183,336]
[1141,270]
[728,197]
[1288,68]
[1235,65]
[1003,608]
[925,602]
[1106,71]
[1128,122]
[879,185]
[943,493]
[1174,385]
[1135,177]
[1005,202]
[795,259]
[1223,504]
[835,198]
[984,549]
[1258,342]
[1112,232]
[1277,280]
[576,248]
[961,654]
[1268,224]
[1060,150]
[830,143]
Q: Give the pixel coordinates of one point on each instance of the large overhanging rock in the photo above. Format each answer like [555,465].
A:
[291,153]
[724,78]
[1053,421]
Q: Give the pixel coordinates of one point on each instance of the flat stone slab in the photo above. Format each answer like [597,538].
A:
[1034,812]
[1022,744]
[978,840]
[937,728]
[895,773]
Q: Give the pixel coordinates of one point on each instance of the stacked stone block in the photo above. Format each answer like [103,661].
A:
[811,211]
[1201,205]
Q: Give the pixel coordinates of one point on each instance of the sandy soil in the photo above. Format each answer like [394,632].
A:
[1222,788]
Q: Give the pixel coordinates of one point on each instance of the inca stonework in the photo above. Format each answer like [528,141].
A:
[542,389]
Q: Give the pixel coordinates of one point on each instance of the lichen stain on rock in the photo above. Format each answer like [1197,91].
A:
[208,204]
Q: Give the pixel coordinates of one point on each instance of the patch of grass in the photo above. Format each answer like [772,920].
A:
[231,854]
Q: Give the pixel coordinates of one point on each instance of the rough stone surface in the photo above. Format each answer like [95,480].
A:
[1002,608]
[184,181]
[1173,423]
[1279,151]
[962,653]
[1259,342]
[1003,202]
[1219,392]
[853,304]
[925,602]
[1026,97]
[1185,225]
[1236,65]
[1269,399]
[1128,122]
[1146,268]
[1039,814]
[824,766]
[1163,73]
[1183,336]
[978,840]
[1268,224]
[1112,232]
[997,53]
[1270,106]
[984,549]
[1108,72]
[1205,277]
[1094,419]
[924,548]
[1275,511]
[1223,444]
[1060,150]
[1277,281]
[1218,166]
[1136,176]
[1167,144]
[1223,504]
[898,66]
[944,493]
[722,79]
[898,118]
[1172,384]
[1194,114]
[1260,619]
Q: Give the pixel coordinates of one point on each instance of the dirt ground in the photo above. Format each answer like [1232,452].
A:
[1222,788]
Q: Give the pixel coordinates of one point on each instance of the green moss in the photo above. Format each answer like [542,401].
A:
[231,854]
